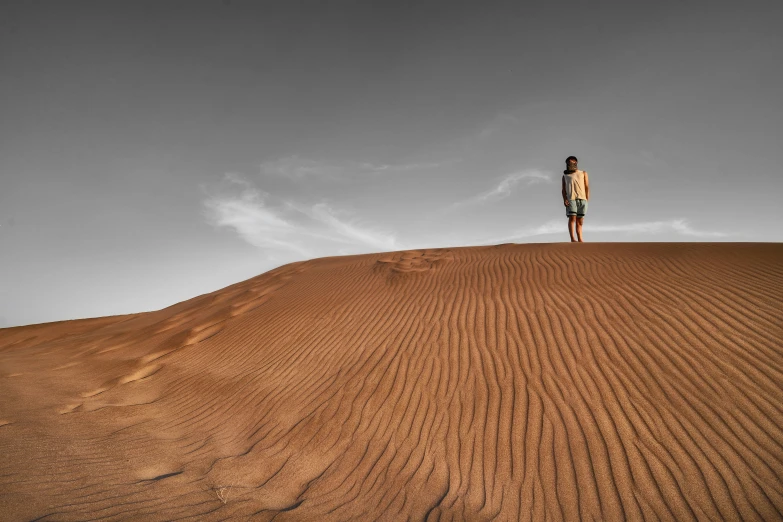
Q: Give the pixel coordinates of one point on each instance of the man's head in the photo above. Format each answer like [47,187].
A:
[571,163]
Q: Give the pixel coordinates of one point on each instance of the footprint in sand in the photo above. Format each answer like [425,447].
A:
[192,336]
[414,260]
[136,375]
[141,373]
[240,307]
[174,321]
[68,365]
[70,408]
[261,293]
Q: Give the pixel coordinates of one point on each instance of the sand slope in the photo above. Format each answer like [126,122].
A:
[613,381]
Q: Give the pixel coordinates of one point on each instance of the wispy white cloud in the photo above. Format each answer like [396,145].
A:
[559,226]
[404,167]
[503,188]
[297,168]
[682,226]
[345,229]
[289,227]
[252,218]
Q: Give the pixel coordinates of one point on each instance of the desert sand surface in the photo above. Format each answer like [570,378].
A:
[584,381]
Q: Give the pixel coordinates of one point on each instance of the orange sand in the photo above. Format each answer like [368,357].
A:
[614,381]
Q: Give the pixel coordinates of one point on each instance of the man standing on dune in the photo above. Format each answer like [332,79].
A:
[576,192]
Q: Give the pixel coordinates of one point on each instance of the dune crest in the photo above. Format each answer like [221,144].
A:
[606,381]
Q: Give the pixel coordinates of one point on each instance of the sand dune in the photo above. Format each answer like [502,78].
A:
[614,381]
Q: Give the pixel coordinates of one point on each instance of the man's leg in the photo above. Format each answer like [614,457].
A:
[571,226]
[579,221]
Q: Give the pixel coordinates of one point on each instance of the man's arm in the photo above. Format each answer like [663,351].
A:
[562,185]
[587,188]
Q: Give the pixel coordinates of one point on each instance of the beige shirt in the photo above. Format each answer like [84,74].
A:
[575,185]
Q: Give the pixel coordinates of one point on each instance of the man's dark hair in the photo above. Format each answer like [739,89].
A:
[569,158]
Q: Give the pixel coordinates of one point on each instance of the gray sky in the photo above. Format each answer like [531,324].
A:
[152,151]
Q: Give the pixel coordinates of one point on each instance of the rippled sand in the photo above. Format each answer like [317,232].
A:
[614,381]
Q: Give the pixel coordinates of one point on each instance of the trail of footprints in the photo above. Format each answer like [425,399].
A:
[242,301]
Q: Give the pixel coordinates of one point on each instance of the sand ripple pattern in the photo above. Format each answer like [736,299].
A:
[589,381]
